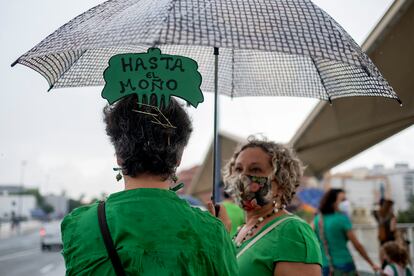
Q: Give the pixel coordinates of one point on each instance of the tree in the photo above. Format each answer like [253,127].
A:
[40,200]
[407,216]
[75,203]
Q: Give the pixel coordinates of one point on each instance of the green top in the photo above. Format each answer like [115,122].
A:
[236,215]
[291,241]
[335,227]
[155,233]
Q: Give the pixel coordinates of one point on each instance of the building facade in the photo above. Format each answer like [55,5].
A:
[16,205]
[365,187]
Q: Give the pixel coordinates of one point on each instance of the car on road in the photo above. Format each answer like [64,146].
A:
[50,236]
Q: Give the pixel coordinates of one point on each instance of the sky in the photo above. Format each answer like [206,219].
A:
[56,141]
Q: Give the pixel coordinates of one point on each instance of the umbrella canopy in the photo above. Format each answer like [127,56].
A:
[192,200]
[280,48]
[311,196]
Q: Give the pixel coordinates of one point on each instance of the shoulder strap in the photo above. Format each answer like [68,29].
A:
[110,247]
[324,241]
[394,269]
[267,230]
[408,271]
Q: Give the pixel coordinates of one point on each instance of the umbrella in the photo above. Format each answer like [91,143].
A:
[192,200]
[311,196]
[261,48]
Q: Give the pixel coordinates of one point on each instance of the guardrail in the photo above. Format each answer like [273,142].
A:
[368,236]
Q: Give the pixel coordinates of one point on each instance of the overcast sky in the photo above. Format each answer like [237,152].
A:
[56,140]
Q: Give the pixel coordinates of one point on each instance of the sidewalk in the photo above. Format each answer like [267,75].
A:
[26,227]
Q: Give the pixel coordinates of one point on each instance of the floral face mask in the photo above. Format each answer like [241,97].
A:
[251,192]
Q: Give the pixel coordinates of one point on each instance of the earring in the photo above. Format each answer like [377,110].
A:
[119,175]
[174,177]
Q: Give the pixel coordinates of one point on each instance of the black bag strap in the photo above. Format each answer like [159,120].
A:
[109,244]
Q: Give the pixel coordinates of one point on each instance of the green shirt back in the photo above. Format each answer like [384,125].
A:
[336,226]
[291,241]
[155,233]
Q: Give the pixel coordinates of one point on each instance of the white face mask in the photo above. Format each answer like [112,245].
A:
[345,207]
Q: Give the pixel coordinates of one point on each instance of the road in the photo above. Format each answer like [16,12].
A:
[21,255]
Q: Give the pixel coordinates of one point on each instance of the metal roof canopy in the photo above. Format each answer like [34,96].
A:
[333,134]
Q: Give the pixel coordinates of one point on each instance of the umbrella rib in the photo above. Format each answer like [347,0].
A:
[322,81]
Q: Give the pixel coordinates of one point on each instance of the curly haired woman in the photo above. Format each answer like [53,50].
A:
[263,177]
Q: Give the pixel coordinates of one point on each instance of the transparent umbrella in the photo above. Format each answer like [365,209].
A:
[261,48]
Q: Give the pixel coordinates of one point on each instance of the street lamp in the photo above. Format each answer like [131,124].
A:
[22,167]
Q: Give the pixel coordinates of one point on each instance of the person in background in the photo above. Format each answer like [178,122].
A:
[387,222]
[397,260]
[235,213]
[387,225]
[334,230]
[153,231]
[263,176]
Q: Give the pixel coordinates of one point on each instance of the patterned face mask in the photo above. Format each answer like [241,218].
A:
[251,191]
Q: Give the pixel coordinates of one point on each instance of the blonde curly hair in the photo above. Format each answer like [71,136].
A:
[287,168]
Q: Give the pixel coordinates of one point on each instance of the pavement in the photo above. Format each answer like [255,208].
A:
[20,254]
[25,227]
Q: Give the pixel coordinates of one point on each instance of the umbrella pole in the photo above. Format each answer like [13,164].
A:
[217,152]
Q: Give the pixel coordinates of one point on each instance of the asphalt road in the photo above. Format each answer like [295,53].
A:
[21,255]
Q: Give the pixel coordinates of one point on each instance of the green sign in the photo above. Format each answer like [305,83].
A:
[152,73]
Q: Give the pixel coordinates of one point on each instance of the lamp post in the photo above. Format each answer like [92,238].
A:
[22,168]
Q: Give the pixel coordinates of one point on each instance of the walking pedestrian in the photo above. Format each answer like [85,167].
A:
[334,230]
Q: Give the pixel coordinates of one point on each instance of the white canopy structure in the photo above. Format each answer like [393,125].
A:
[333,134]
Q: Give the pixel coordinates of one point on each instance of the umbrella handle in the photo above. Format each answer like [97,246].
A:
[216,153]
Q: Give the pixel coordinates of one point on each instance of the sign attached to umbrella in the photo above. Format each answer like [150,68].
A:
[152,73]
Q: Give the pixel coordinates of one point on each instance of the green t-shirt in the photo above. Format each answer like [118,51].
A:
[155,233]
[236,215]
[335,227]
[291,241]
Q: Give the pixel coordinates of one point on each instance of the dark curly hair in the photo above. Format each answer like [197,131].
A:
[141,145]
[287,168]
[326,206]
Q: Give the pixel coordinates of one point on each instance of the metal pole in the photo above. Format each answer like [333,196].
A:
[217,152]
[20,215]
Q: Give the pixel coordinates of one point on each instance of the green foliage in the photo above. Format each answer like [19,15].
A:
[73,204]
[39,200]
[47,208]
[408,215]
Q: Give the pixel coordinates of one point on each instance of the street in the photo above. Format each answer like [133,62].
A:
[21,255]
